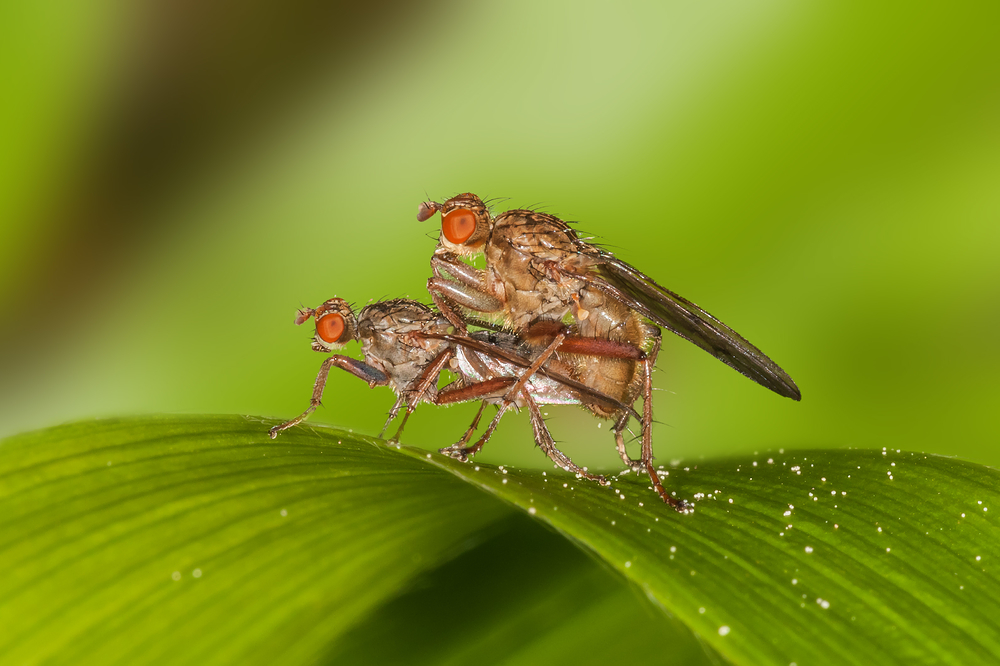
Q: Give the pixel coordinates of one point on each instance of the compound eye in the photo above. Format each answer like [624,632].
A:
[458,225]
[330,327]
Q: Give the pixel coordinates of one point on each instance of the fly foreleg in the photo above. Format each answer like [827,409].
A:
[467,296]
[455,283]
[359,369]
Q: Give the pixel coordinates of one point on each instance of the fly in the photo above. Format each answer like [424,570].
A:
[540,274]
[406,345]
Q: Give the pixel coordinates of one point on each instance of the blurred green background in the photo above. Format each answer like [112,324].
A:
[177,178]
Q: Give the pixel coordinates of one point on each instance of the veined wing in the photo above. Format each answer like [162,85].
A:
[545,238]
[689,321]
[590,395]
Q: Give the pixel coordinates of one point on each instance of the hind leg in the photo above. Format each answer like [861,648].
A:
[545,442]
[647,439]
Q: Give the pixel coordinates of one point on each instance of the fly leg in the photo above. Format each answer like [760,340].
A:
[445,264]
[493,388]
[485,390]
[620,425]
[611,349]
[472,428]
[647,440]
[633,464]
[393,413]
[446,308]
[508,399]
[359,369]
[562,342]
[545,442]
[424,382]
[458,450]
[463,289]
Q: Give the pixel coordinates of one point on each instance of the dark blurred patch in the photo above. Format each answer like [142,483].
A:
[527,595]
[202,80]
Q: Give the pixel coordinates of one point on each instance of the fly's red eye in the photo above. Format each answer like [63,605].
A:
[330,327]
[458,225]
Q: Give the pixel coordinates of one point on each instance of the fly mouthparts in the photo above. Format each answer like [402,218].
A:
[304,315]
[426,209]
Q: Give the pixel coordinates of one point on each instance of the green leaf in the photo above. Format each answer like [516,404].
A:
[525,596]
[198,539]
[806,557]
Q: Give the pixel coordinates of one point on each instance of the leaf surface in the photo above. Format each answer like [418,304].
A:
[198,539]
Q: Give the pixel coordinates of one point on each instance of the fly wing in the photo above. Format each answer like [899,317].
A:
[689,321]
[545,238]
[590,396]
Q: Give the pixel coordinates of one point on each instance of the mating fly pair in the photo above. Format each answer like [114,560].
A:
[568,309]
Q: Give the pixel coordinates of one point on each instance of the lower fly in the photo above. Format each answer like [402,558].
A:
[406,345]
